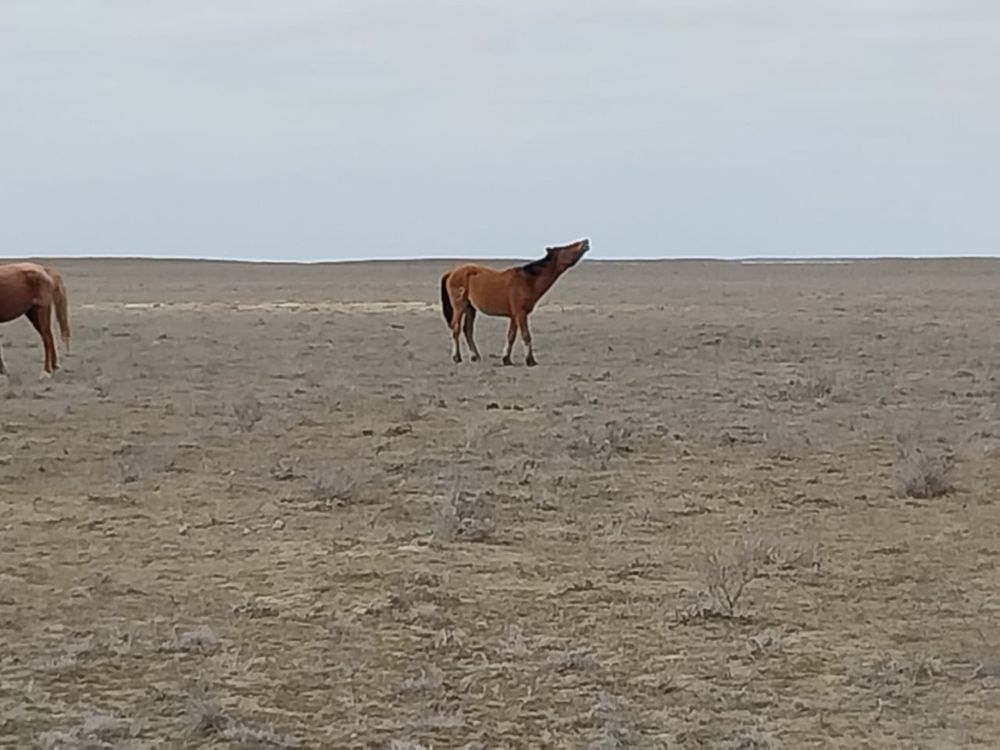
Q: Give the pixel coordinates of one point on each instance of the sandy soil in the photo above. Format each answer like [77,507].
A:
[261,505]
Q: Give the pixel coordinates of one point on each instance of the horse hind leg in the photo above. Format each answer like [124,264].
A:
[41,319]
[3,367]
[467,326]
[458,305]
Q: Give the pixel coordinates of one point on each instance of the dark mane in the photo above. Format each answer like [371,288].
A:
[537,266]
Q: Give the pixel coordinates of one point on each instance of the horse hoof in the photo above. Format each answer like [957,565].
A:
[474,357]
[456,359]
[506,361]
[530,362]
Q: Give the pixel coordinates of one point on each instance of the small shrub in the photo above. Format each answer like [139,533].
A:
[202,639]
[96,731]
[248,413]
[286,468]
[924,473]
[464,515]
[604,443]
[727,574]
[781,556]
[206,718]
[816,386]
[332,487]
[574,660]
[430,681]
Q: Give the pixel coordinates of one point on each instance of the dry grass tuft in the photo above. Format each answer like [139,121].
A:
[248,413]
[922,472]
[202,639]
[430,681]
[286,468]
[727,574]
[207,719]
[604,443]
[816,385]
[467,516]
[330,487]
[96,731]
[786,556]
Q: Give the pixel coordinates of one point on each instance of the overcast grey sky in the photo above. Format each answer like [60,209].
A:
[395,128]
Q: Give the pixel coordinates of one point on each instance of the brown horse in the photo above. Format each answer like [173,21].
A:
[32,290]
[512,293]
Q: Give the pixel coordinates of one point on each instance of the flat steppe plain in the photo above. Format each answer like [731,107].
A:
[260,506]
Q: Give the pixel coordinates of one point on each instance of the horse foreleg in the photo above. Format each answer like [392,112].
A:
[511,335]
[522,323]
[470,322]
[3,367]
[41,319]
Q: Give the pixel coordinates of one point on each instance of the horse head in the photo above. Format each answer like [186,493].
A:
[567,256]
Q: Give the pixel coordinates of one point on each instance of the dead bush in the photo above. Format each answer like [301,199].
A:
[464,515]
[286,468]
[206,719]
[728,572]
[97,730]
[604,443]
[200,639]
[816,385]
[924,473]
[783,441]
[332,487]
[248,413]
[781,557]
[725,574]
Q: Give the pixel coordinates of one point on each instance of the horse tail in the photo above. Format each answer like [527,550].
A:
[60,298]
[446,299]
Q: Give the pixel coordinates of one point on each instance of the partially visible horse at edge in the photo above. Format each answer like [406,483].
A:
[511,293]
[33,291]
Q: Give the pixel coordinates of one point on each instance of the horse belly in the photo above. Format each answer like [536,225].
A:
[15,299]
[491,303]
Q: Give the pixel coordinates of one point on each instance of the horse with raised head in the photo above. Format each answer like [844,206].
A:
[33,291]
[511,293]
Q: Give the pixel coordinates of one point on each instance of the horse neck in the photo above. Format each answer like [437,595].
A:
[545,280]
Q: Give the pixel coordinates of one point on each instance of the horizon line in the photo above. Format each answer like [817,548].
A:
[775,259]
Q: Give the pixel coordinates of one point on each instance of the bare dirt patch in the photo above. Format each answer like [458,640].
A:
[261,507]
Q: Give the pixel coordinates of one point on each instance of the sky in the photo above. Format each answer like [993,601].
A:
[328,129]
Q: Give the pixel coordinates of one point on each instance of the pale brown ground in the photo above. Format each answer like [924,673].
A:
[310,579]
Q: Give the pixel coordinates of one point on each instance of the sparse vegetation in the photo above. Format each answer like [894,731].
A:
[383,556]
